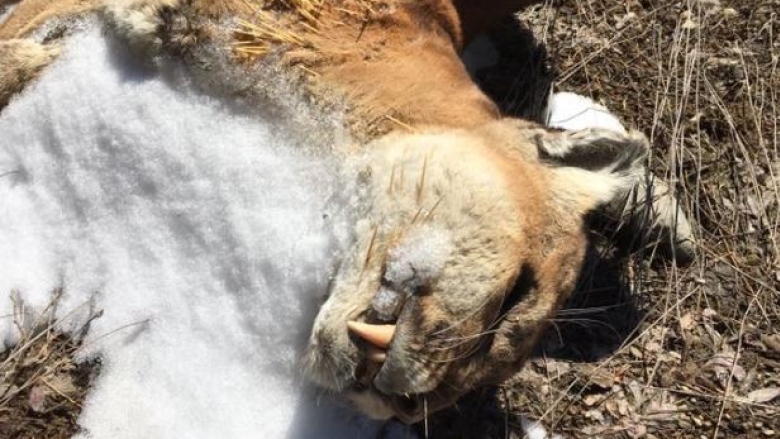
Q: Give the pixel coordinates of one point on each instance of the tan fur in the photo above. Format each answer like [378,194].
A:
[21,59]
[32,14]
[20,62]
[435,159]
[348,47]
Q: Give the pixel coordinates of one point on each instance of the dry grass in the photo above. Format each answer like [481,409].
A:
[41,388]
[273,26]
[649,349]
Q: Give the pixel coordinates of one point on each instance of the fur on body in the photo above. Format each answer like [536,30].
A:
[433,156]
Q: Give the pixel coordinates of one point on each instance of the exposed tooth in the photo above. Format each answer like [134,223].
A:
[377,335]
[376,354]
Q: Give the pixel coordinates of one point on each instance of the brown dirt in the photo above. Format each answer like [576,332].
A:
[646,349]
[41,388]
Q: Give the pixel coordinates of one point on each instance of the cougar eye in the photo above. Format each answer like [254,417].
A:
[524,283]
[391,297]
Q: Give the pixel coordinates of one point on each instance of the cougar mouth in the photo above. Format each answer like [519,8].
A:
[381,318]
[374,335]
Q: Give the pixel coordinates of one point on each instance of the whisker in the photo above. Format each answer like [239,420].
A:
[417,214]
[471,337]
[460,341]
[433,209]
[465,318]
[461,356]
[494,321]
[584,323]
[421,183]
[425,415]
[400,123]
[589,310]
[370,250]
[401,177]
[392,178]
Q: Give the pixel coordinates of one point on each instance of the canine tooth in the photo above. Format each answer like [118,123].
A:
[377,335]
[376,354]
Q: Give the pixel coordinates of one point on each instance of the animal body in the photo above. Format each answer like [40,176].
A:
[469,230]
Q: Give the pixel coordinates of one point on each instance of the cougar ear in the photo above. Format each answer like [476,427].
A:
[594,166]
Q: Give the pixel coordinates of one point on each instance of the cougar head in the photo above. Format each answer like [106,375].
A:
[465,242]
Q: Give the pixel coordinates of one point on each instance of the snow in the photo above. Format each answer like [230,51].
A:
[205,236]
[419,257]
[571,111]
[535,430]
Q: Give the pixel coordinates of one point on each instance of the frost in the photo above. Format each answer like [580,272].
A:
[419,257]
[388,303]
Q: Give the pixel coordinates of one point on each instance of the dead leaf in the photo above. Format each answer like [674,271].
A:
[709,313]
[653,347]
[772,342]
[723,365]
[637,393]
[636,431]
[556,369]
[761,396]
[591,400]
[599,377]
[593,430]
[63,384]
[687,322]
[658,411]
[37,399]
[596,415]
[611,407]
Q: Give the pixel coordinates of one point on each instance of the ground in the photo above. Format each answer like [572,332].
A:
[701,79]
[41,387]
[646,348]
[649,349]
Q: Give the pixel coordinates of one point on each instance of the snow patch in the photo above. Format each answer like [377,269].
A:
[570,111]
[535,430]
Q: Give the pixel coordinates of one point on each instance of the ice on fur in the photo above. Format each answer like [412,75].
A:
[419,256]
